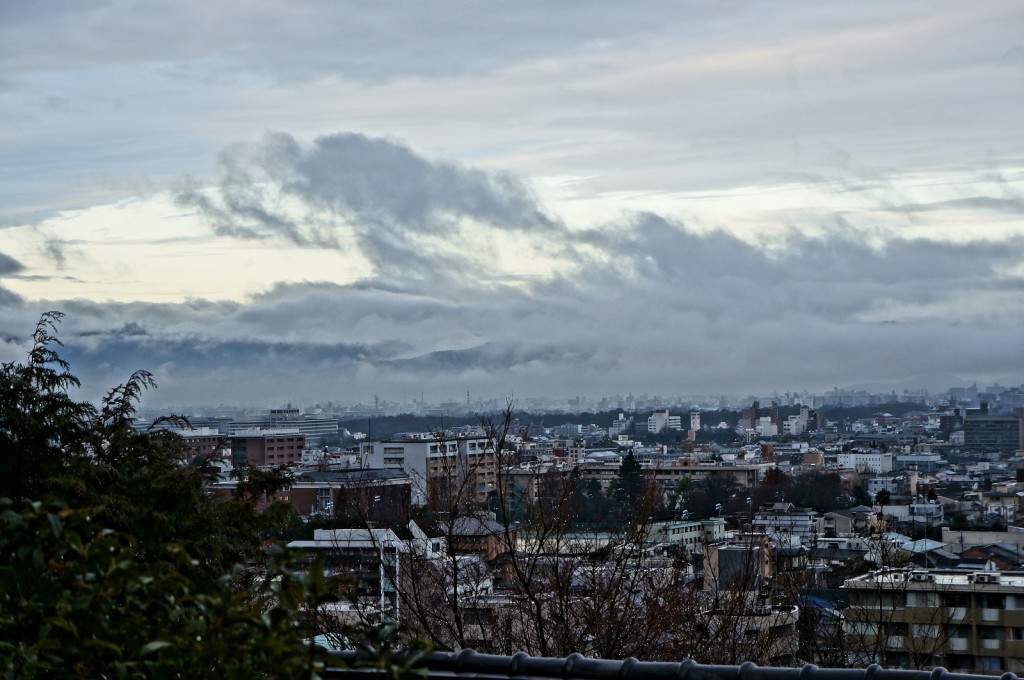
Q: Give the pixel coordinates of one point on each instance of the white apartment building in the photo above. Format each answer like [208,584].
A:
[794,425]
[619,425]
[426,457]
[873,461]
[890,484]
[660,420]
[764,427]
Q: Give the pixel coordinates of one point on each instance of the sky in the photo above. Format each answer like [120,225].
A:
[273,202]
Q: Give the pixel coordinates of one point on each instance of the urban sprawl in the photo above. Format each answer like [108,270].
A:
[841,529]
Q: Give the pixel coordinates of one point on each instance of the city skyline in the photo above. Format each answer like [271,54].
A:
[322,203]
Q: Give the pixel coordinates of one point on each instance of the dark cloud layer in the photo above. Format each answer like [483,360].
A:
[669,311]
[642,303]
[9,265]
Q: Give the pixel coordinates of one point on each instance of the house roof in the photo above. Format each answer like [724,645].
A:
[473,526]
[350,476]
[922,545]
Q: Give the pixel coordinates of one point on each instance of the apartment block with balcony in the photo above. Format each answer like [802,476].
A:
[431,460]
[963,621]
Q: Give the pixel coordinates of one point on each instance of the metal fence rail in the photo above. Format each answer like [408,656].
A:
[470,664]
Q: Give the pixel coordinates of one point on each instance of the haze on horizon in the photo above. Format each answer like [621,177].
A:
[311,202]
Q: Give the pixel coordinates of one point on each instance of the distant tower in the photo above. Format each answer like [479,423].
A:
[376,401]
[695,420]
[467,397]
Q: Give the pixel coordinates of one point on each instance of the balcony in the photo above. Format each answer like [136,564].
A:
[957,644]
[991,615]
[992,645]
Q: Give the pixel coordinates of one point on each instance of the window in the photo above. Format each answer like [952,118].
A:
[993,602]
[923,599]
[926,630]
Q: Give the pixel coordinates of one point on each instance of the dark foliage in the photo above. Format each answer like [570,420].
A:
[115,563]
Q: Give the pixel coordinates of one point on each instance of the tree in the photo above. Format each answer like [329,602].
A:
[77,601]
[822,492]
[775,487]
[115,560]
[710,497]
[42,430]
[629,485]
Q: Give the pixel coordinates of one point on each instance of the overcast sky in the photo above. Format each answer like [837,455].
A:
[281,201]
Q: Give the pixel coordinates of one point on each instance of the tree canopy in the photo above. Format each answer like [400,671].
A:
[115,560]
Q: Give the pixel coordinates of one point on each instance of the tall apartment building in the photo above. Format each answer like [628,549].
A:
[429,459]
[966,622]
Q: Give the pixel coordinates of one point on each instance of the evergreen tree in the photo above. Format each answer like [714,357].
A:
[116,563]
[628,487]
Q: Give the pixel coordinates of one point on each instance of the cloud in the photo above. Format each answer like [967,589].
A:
[649,305]
[9,265]
[406,213]
[1013,206]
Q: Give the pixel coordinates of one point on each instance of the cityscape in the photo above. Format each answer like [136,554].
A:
[662,341]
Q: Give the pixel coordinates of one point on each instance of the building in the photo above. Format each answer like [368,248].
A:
[921,462]
[785,521]
[373,557]
[984,432]
[206,442]
[871,461]
[434,460]
[741,574]
[311,427]
[847,522]
[368,495]
[266,447]
[750,417]
[668,475]
[620,425]
[970,622]
[478,536]
[661,420]
[687,535]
